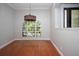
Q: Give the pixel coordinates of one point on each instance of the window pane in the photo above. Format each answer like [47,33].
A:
[75,18]
[31,29]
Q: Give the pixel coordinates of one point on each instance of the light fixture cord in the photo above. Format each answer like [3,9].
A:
[29,8]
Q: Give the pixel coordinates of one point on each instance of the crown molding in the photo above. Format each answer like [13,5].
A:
[35,8]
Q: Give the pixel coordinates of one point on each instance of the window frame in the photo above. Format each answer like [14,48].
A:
[69,24]
[35,31]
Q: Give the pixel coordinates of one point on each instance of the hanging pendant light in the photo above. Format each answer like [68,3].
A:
[30,17]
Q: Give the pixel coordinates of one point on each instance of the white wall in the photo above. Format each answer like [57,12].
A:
[42,15]
[6,24]
[66,39]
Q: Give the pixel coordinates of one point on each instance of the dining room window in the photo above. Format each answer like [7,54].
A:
[31,29]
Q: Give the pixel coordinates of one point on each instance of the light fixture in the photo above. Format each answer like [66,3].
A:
[29,17]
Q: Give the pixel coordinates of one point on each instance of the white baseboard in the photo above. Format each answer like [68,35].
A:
[32,38]
[6,44]
[57,48]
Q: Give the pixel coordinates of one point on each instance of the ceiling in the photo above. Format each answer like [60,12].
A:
[20,6]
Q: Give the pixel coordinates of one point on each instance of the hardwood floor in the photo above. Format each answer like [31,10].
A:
[29,48]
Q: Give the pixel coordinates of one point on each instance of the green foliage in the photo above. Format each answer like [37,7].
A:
[30,27]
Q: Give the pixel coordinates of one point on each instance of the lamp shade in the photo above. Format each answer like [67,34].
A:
[30,18]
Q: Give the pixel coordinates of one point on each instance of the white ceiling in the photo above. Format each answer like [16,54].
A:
[19,6]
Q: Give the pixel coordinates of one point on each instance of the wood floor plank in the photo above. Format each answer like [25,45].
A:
[29,48]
